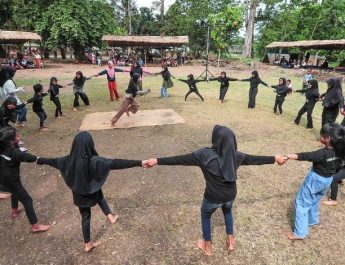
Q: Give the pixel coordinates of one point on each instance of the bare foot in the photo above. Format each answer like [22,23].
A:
[15,213]
[91,245]
[58,117]
[113,122]
[4,195]
[292,236]
[43,129]
[75,109]
[230,242]
[127,112]
[205,246]
[39,228]
[112,217]
[330,203]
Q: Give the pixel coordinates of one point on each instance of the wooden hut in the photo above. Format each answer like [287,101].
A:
[18,37]
[310,44]
[145,41]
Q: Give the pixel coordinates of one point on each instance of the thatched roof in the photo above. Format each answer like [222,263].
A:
[145,41]
[18,36]
[311,44]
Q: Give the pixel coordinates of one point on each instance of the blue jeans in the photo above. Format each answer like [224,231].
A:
[43,116]
[164,92]
[207,209]
[21,114]
[307,202]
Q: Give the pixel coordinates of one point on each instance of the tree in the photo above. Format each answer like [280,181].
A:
[72,23]
[224,25]
[248,42]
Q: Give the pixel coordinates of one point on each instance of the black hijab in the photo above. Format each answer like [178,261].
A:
[333,95]
[83,170]
[79,81]
[6,74]
[255,74]
[11,115]
[224,149]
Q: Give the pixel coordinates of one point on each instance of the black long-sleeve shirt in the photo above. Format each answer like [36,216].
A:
[192,83]
[10,161]
[37,102]
[254,82]
[311,94]
[217,189]
[7,116]
[116,163]
[325,163]
[54,91]
[282,91]
[224,82]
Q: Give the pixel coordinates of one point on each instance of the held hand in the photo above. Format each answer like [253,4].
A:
[149,163]
[292,156]
[280,160]
[342,111]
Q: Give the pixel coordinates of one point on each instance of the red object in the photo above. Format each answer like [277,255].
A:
[113,90]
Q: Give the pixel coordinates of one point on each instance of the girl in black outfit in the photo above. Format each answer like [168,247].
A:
[10,160]
[282,90]
[312,96]
[191,82]
[332,101]
[37,105]
[254,81]
[54,91]
[8,111]
[85,173]
[224,84]
[219,165]
[137,69]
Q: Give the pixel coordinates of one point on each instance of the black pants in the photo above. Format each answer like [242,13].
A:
[307,107]
[278,104]
[20,194]
[58,109]
[223,91]
[329,114]
[86,218]
[252,96]
[338,177]
[193,91]
[43,116]
[83,97]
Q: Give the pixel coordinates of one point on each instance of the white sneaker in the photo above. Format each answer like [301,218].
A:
[23,149]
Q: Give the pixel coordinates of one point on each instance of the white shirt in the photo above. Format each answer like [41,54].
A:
[10,89]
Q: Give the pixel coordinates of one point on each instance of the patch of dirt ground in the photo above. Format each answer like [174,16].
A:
[159,216]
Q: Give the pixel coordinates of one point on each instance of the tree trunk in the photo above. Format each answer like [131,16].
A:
[129,18]
[79,54]
[63,53]
[46,53]
[218,58]
[248,43]
[162,16]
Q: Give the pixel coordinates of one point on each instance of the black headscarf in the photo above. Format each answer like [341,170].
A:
[255,74]
[224,149]
[333,95]
[10,115]
[83,170]
[6,74]
[79,81]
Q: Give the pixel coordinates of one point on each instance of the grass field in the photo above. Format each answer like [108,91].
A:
[159,216]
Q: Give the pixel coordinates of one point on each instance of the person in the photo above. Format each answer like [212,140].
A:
[318,179]
[8,111]
[312,96]
[54,90]
[281,90]
[8,88]
[167,82]
[137,69]
[219,165]
[78,90]
[128,103]
[112,85]
[191,82]
[37,105]
[308,76]
[337,179]
[332,100]
[224,84]
[10,161]
[85,172]
[254,81]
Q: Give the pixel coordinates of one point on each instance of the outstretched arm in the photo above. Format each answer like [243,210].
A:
[124,163]
[183,160]
[262,160]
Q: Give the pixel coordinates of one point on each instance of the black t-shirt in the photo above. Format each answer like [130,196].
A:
[217,189]
[325,163]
